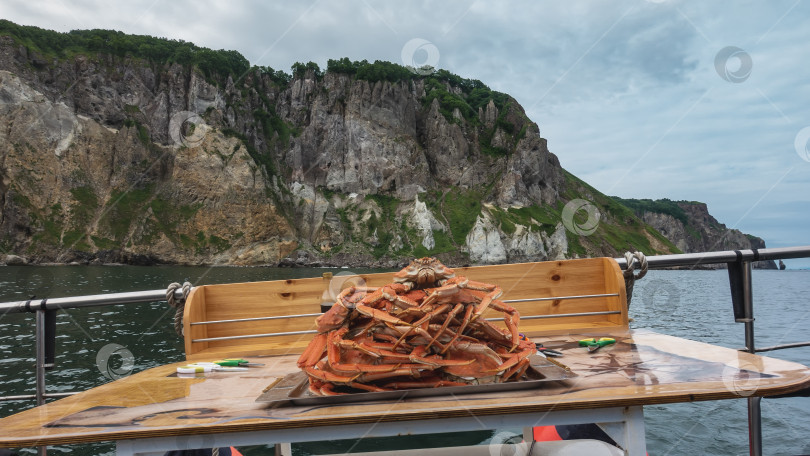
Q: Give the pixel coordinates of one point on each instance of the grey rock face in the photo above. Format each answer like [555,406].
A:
[425,223]
[526,245]
[703,232]
[557,243]
[94,164]
[484,242]
[14,260]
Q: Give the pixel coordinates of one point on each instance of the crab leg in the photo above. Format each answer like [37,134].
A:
[401,372]
[512,360]
[327,376]
[511,317]
[339,367]
[460,331]
[381,315]
[388,356]
[447,321]
[517,370]
[393,340]
[436,293]
[388,293]
[428,316]
[314,351]
[492,332]
[371,388]
[315,386]
[478,286]
[328,389]
[486,301]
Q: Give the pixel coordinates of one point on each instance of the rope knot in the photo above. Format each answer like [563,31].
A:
[629,277]
[179,304]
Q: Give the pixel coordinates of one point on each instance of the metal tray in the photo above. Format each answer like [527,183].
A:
[294,388]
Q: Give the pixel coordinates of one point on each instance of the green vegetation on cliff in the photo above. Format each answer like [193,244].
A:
[661,206]
[49,43]
[664,206]
[619,227]
[474,93]
[220,64]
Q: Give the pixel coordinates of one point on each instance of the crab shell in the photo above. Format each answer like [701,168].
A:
[424,272]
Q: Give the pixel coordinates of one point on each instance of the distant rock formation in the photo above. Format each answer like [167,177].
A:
[692,229]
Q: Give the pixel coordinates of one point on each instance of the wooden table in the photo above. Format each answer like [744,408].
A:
[155,410]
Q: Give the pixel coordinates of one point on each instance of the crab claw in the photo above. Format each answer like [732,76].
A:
[381,315]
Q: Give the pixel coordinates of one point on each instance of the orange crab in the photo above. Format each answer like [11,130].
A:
[423,330]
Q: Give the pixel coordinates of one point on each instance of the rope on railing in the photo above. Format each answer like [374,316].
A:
[178,304]
[629,277]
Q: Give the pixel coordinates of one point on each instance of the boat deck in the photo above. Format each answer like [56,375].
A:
[560,302]
[642,368]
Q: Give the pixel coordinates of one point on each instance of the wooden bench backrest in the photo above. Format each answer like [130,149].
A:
[281,298]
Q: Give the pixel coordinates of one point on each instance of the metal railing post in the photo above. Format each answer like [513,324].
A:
[754,426]
[40,367]
[754,410]
[742,299]
[748,305]
[40,349]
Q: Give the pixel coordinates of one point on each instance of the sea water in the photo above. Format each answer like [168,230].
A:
[690,304]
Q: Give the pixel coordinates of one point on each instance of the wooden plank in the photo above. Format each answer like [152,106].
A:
[518,281]
[195,310]
[614,284]
[250,347]
[642,368]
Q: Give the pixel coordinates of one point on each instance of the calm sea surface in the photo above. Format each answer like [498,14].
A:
[690,304]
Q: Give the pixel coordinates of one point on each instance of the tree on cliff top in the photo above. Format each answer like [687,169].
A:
[51,44]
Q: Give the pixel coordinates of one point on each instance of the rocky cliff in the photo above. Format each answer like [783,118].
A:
[691,228]
[115,148]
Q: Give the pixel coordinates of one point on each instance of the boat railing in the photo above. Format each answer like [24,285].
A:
[739,264]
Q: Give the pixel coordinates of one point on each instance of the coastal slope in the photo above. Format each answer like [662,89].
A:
[123,148]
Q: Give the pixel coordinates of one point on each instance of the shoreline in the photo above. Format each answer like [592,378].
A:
[300,263]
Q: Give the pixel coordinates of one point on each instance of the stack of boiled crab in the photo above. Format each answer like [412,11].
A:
[423,330]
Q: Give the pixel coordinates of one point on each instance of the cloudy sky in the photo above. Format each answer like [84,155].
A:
[706,101]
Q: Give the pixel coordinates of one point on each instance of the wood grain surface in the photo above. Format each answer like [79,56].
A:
[591,276]
[641,368]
